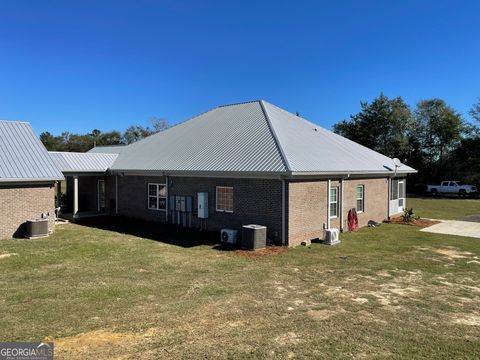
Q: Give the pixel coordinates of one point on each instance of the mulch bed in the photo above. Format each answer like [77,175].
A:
[421,223]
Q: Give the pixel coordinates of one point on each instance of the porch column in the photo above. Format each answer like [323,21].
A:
[59,194]
[75,196]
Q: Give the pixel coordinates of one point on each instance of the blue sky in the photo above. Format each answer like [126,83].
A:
[79,65]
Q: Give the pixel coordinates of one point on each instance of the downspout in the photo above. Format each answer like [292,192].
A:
[116,194]
[341,200]
[328,202]
[388,196]
[167,200]
[284,237]
[341,204]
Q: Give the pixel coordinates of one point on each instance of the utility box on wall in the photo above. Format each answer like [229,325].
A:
[202,205]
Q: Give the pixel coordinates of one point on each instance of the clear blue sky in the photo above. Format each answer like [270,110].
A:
[79,65]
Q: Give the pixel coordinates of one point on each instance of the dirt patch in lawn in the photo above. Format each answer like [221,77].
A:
[466,319]
[421,223]
[4,256]
[453,253]
[472,218]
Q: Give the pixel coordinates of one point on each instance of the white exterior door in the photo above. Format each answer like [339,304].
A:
[397,195]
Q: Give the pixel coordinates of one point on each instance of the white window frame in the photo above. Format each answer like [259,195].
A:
[216,199]
[157,196]
[362,198]
[333,202]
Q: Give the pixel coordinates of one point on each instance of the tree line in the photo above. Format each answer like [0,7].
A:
[433,137]
[83,142]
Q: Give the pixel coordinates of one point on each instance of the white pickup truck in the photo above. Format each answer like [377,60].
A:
[451,187]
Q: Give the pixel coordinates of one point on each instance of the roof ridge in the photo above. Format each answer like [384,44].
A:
[16,121]
[239,103]
[275,137]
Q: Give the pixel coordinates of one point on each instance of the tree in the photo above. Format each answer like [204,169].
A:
[158,124]
[440,127]
[135,133]
[382,125]
[52,143]
[475,111]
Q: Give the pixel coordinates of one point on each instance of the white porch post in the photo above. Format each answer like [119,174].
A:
[75,196]
[341,204]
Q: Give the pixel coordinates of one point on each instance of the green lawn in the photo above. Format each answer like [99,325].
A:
[444,208]
[387,292]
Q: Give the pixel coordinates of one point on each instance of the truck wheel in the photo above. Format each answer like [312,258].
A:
[462,193]
[434,192]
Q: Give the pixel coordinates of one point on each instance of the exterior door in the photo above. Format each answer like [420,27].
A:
[101,195]
[401,195]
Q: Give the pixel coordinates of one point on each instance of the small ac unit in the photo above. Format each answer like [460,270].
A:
[332,237]
[229,236]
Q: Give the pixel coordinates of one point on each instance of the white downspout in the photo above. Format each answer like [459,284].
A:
[284,235]
[328,202]
[75,196]
[341,205]
[388,196]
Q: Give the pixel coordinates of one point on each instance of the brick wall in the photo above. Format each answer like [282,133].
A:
[256,201]
[307,210]
[19,203]
[308,206]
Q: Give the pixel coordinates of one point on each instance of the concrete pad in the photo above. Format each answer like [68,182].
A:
[455,227]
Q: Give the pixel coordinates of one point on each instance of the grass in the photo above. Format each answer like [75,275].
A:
[444,208]
[151,292]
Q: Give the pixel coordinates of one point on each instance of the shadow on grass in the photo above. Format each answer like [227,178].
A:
[161,232]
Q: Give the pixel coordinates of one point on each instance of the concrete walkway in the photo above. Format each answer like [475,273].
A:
[455,227]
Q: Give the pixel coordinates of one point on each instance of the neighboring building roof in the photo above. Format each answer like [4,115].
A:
[108,149]
[74,162]
[23,156]
[253,137]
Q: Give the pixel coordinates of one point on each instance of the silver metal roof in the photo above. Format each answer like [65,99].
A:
[254,137]
[23,156]
[74,162]
[235,138]
[309,148]
[108,149]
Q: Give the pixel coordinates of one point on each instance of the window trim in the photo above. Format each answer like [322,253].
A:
[362,198]
[216,199]
[158,197]
[336,188]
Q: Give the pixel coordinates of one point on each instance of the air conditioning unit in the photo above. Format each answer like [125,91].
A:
[332,237]
[229,236]
[36,228]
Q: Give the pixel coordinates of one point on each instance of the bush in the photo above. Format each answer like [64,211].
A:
[409,215]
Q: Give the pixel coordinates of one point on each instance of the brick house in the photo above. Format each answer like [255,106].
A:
[254,163]
[27,179]
[246,163]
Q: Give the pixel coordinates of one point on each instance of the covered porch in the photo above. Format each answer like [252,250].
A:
[88,189]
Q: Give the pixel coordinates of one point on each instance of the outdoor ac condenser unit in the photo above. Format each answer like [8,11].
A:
[229,236]
[36,228]
[332,236]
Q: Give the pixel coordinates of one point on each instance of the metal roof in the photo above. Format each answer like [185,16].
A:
[23,156]
[253,137]
[108,149]
[309,148]
[74,162]
[234,138]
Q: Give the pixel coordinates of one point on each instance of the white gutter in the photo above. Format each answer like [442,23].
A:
[341,205]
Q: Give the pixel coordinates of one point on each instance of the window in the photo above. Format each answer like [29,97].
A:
[333,202]
[225,199]
[360,198]
[157,196]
